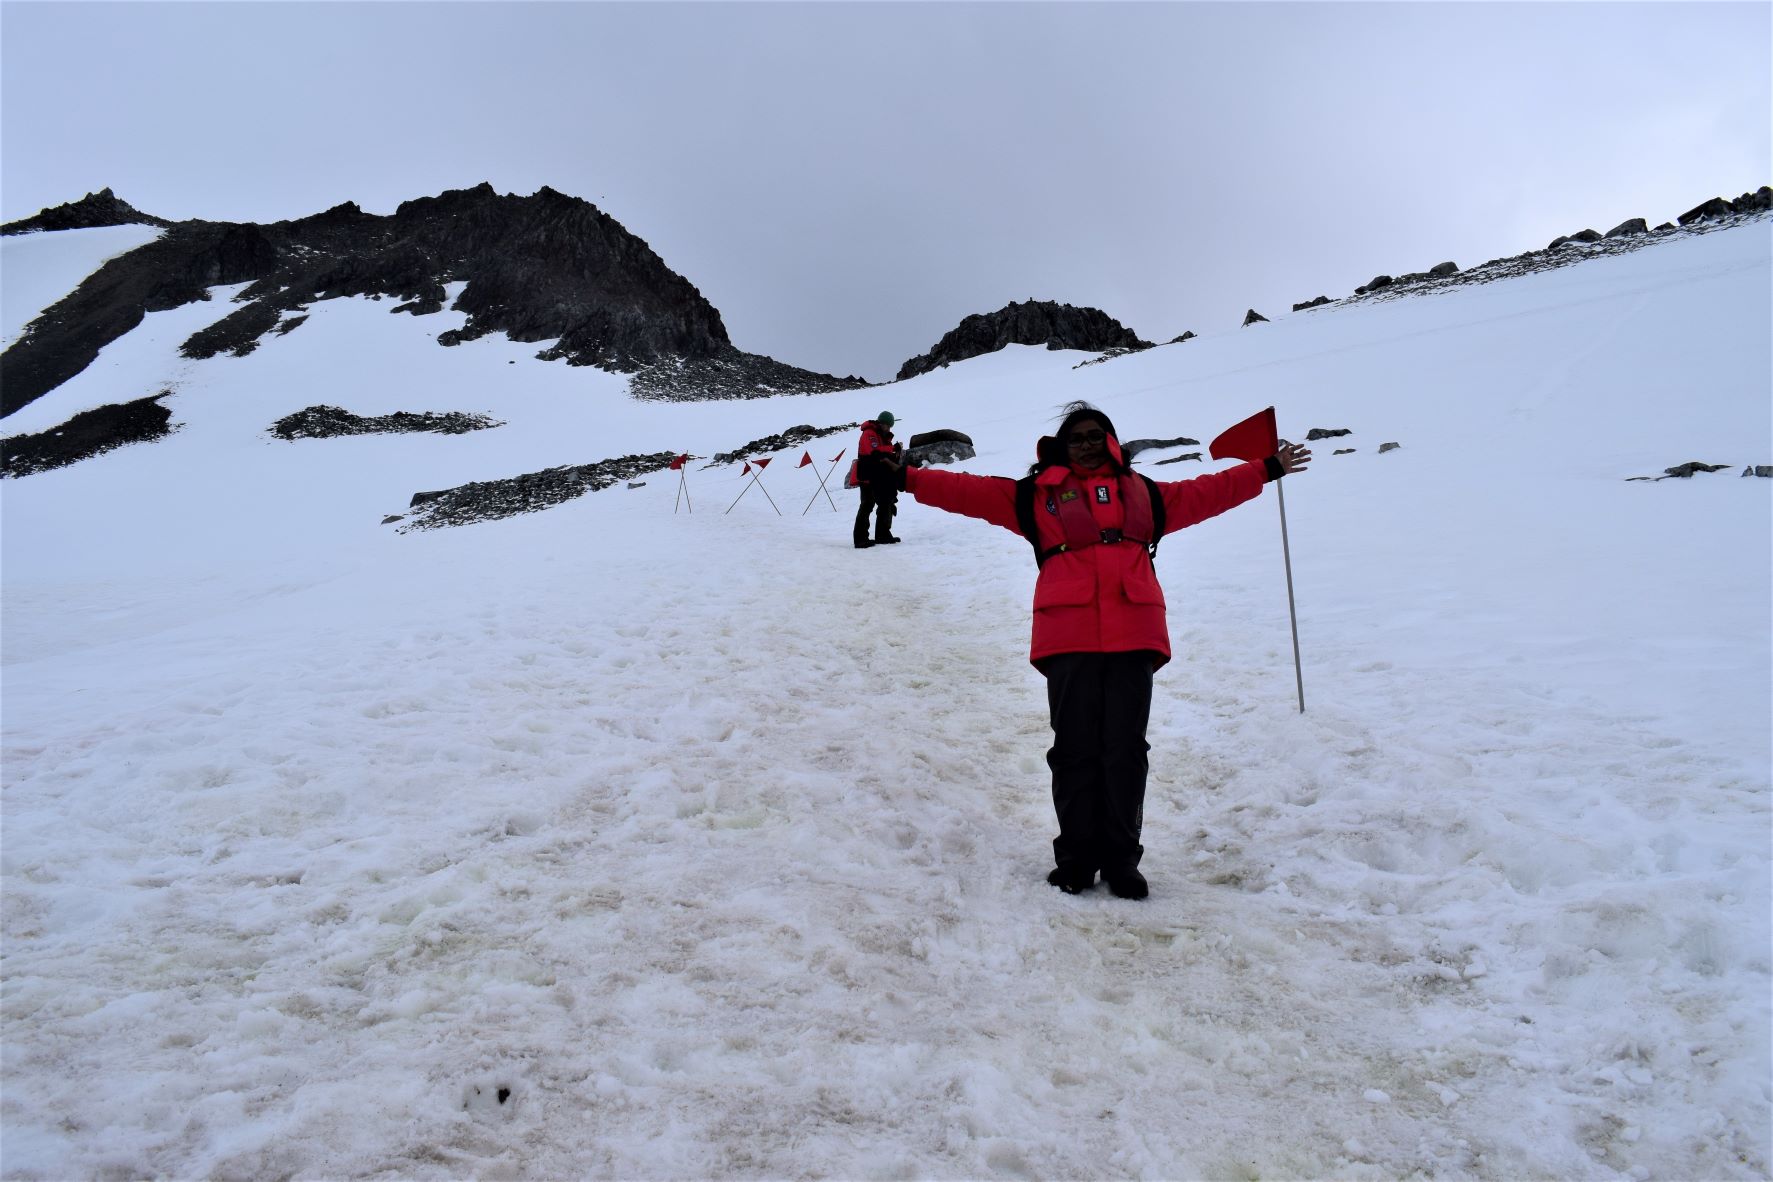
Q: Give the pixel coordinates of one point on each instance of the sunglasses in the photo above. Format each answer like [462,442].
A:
[1085,438]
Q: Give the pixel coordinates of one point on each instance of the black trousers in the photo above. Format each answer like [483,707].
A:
[1100,705]
[881,499]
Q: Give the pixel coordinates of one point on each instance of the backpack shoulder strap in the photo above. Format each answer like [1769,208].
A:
[1157,511]
[1025,516]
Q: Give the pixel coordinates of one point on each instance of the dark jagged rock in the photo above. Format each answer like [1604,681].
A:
[1717,207]
[1319,302]
[792,437]
[327,422]
[491,500]
[546,267]
[89,433]
[1192,455]
[103,208]
[1385,447]
[1586,236]
[1326,433]
[1138,445]
[1343,451]
[1186,336]
[1628,227]
[1057,326]
[1758,201]
[1758,470]
[1254,317]
[1379,281]
[1442,270]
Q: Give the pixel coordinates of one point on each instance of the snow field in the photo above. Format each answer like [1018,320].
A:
[718,846]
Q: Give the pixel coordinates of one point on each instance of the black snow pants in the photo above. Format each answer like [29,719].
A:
[882,499]
[1100,705]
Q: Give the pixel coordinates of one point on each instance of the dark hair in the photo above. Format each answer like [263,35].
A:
[1053,449]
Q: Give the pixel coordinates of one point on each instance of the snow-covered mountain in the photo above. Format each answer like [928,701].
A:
[619,840]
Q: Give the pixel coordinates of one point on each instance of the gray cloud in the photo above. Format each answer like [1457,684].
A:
[846,181]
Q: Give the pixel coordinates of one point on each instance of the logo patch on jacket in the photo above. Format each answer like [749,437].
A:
[1069,494]
[1101,494]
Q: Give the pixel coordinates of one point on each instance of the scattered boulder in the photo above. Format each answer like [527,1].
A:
[1664,228]
[1186,336]
[1586,236]
[1717,207]
[1442,270]
[1254,317]
[1385,447]
[637,484]
[1758,470]
[89,433]
[1133,448]
[1042,322]
[942,446]
[1193,455]
[1321,300]
[1344,451]
[327,422]
[1629,227]
[1755,202]
[1379,281]
[1326,433]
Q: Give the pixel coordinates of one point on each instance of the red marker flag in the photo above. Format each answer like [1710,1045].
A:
[677,462]
[747,470]
[1253,439]
[839,454]
[763,462]
[806,458]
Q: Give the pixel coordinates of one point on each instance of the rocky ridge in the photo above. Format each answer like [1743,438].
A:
[547,267]
[103,208]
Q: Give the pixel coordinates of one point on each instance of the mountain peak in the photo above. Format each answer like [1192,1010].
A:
[103,208]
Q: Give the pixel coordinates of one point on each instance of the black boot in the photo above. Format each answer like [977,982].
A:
[863,543]
[1071,879]
[1127,884]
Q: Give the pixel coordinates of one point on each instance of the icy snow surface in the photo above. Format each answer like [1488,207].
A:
[612,841]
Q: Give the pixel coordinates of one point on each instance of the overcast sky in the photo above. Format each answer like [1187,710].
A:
[846,181]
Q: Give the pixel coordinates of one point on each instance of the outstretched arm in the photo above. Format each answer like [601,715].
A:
[988,498]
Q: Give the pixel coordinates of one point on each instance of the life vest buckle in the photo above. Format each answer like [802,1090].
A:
[1112,535]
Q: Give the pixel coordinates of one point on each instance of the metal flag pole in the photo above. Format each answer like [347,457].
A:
[1287,556]
[682,492]
[758,478]
[821,489]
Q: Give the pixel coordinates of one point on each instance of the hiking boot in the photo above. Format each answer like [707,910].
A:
[863,543]
[885,540]
[1071,879]
[1127,884]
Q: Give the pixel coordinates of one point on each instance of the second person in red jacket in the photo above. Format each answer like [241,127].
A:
[1099,625]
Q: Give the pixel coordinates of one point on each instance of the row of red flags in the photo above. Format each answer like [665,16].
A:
[806,458]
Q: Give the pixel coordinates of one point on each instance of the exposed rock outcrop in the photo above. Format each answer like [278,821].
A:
[1317,433]
[1317,303]
[941,446]
[1136,446]
[89,433]
[1037,322]
[328,422]
[1254,317]
[490,500]
[792,437]
[103,208]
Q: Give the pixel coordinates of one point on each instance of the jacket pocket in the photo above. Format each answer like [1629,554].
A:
[1139,582]
[1064,584]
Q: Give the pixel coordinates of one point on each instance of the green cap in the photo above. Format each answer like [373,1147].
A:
[885,418]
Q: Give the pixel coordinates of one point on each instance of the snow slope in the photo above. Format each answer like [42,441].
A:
[717,847]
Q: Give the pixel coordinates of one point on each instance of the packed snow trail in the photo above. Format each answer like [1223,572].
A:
[747,879]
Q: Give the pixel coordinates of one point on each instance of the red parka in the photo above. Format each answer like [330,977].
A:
[1103,598]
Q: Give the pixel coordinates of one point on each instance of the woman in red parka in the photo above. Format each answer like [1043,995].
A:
[1099,628]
